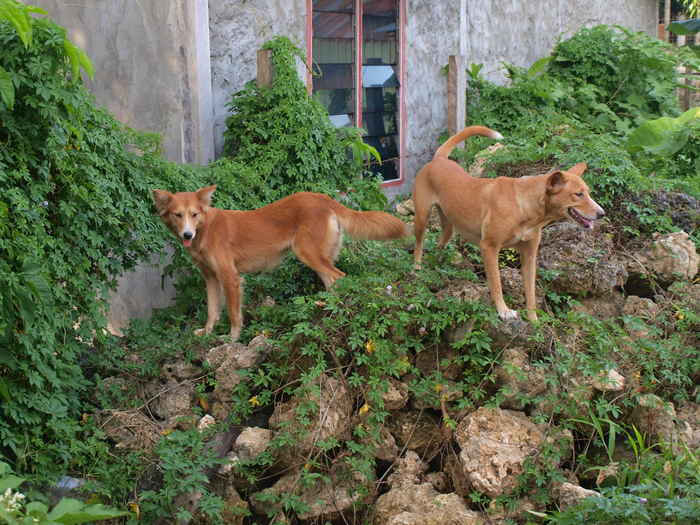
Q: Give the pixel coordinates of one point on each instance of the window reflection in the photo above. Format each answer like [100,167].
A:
[339,6]
[380,8]
[379,76]
[332,25]
[376,123]
[336,100]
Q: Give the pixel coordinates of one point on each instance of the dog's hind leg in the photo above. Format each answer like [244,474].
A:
[421,206]
[319,252]
[447,229]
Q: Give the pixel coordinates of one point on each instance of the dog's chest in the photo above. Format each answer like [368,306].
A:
[524,234]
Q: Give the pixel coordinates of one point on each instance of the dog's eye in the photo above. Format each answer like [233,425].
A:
[579,195]
[194,215]
[178,215]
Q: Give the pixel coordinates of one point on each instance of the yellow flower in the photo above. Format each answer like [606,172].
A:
[365,408]
[254,401]
[135,507]
[166,432]
[84,419]
[438,388]
[266,334]
[307,466]
[371,347]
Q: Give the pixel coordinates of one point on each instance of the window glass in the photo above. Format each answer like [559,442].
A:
[333,76]
[332,25]
[379,76]
[379,99]
[341,120]
[332,50]
[376,123]
[338,6]
[380,8]
[336,101]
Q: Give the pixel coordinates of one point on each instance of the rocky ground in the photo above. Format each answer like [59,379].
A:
[425,470]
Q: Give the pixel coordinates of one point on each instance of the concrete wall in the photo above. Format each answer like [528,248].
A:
[238,29]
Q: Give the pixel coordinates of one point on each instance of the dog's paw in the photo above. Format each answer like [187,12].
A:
[509,315]
[235,334]
[198,332]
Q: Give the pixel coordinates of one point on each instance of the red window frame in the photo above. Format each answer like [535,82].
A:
[358,76]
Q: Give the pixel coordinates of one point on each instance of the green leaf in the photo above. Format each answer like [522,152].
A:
[7,92]
[70,511]
[40,287]
[5,392]
[27,308]
[10,482]
[86,63]
[7,309]
[7,359]
[72,58]
[537,67]
[663,136]
[685,27]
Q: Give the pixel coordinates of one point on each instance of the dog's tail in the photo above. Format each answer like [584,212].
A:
[375,225]
[444,151]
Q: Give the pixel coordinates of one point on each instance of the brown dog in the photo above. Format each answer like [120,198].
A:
[498,213]
[222,242]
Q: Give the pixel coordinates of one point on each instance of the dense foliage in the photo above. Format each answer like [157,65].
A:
[76,211]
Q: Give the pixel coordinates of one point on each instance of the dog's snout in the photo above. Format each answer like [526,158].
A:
[187,235]
[601,214]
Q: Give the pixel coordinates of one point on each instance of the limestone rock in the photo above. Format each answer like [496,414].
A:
[129,430]
[438,480]
[170,399]
[408,470]
[180,370]
[396,395]
[228,359]
[672,257]
[251,442]
[511,332]
[582,261]
[688,414]
[477,167]
[329,500]
[517,378]
[334,409]
[512,285]
[656,417]
[610,381]
[422,505]
[405,208]
[495,445]
[416,431]
[386,449]
[435,358]
[572,495]
[602,307]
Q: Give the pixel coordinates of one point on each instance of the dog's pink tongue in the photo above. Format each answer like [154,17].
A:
[187,242]
[590,224]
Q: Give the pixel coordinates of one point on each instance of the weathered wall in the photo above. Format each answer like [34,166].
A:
[238,29]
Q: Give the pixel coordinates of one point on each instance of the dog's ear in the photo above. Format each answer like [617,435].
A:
[162,200]
[556,182]
[578,169]
[204,195]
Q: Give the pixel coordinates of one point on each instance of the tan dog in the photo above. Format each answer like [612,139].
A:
[222,243]
[498,213]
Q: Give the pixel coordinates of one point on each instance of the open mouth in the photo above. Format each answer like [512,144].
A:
[580,219]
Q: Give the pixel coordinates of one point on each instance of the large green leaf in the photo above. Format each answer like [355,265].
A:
[71,511]
[10,482]
[40,287]
[72,58]
[86,63]
[7,309]
[685,27]
[537,66]
[663,136]
[27,308]
[7,89]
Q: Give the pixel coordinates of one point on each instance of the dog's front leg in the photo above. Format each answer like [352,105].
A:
[528,264]
[490,255]
[233,288]
[215,296]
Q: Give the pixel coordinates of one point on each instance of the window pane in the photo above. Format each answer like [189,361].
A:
[378,28]
[379,99]
[341,120]
[333,76]
[339,6]
[332,25]
[332,50]
[379,76]
[385,145]
[336,101]
[376,123]
[380,7]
